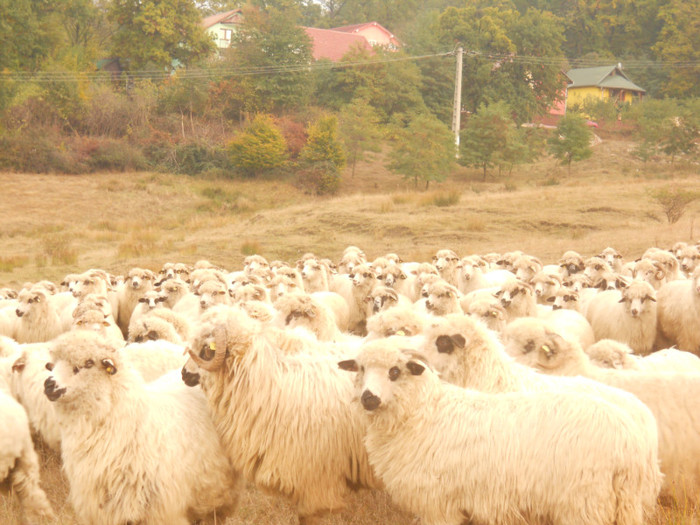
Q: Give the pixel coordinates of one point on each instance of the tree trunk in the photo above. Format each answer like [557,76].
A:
[484,172]
[182,123]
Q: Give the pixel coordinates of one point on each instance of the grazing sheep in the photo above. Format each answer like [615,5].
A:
[674,399]
[455,456]
[678,312]
[608,353]
[284,419]
[517,299]
[397,320]
[138,281]
[447,264]
[38,319]
[134,452]
[628,316]
[19,464]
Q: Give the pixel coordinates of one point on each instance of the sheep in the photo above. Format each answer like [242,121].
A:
[517,299]
[382,298]
[281,284]
[8,317]
[489,311]
[138,281]
[455,456]
[571,323]
[19,463]
[96,282]
[134,452]
[284,419]
[526,267]
[316,276]
[613,258]
[650,271]
[208,293]
[154,328]
[397,320]
[545,285]
[668,261]
[474,275]
[628,316]
[254,264]
[443,298]
[258,310]
[674,399]
[100,323]
[153,359]
[565,298]
[352,256]
[38,319]
[609,280]
[172,290]
[147,302]
[176,271]
[508,259]
[571,263]
[250,292]
[678,312]
[94,302]
[595,267]
[608,353]
[300,309]
[354,288]
[577,281]
[447,264]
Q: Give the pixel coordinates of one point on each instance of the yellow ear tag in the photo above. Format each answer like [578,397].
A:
[400,332]
[212,345]
[109,370]
[546,349]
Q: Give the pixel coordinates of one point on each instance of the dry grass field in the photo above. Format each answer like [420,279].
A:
[54,225]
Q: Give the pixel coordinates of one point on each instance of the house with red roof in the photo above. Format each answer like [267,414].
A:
[374,33]
[333,45]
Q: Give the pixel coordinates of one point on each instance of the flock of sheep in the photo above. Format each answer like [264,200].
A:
[478,389]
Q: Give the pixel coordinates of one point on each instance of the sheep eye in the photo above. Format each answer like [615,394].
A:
[76,370]
[365,275]
[394,373]
[89,363]
[30,301]
[515,292]
[598,267]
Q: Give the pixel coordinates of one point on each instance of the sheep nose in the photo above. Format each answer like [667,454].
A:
[370,401]
[634,312]
[19,313]
[555,307]
[429,305]
[538,292]
[51,391]
[572,268]
[190,378]
[505,302]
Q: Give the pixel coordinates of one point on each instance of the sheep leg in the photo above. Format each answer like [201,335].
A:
[25,481]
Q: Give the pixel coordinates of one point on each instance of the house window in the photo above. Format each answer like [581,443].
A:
[227,33]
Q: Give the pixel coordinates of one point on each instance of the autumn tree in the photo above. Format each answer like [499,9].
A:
[260,148]
[424,150]
[571,141]
[158,34]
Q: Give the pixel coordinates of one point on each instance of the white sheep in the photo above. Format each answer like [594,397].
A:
[650,271]
[628,316]
[138,281]
[613,258]
[206,294]
[668,261]
[178,321]
[316,276]
[678,312]
[355,288]
[134,452]
[526,267]
[608,353]
[517,298]
[545,284]
[397,320]
[175,271]
[673,398]
[384,297]
[447,264]
[154,328]
[99,323]
[38,318]
[474,274]
[8,317]
[489,311]
[19,463]
[285,419]
[454,456]
[301,309]
[148,301]
[153,359]
[352,256]
[572,324]
[571,263]
[595,267]
[565,298]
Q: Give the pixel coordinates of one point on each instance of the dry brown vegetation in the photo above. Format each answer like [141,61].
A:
[54,225]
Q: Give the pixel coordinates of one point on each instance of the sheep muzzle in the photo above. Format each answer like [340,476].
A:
[370,401]
[51,391]
[190,378]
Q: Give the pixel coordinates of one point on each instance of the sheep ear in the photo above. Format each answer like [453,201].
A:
[109,367]
[19,364]
[650,298]
[350,365]
[550,299]
[415,368]
[458,340]
[621,300]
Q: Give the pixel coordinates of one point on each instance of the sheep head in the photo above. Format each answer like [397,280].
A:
[213,352]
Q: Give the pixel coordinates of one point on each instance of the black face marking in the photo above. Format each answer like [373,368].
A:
[444,344]
[394,373]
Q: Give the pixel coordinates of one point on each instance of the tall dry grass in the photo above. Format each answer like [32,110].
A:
[54,225]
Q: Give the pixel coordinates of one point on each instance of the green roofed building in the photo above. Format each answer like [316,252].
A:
[601,82]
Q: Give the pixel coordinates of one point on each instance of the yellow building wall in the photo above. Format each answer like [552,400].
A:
[576,96]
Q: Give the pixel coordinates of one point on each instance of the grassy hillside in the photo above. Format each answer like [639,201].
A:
[54,225]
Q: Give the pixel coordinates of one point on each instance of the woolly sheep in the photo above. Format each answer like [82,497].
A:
[175,271]
[316,276]
[352,256]
[474,275]
[99,323]
[535,466]
[571,263]
[154,328]
[153,359]
[285,420]
[489,311]
[38,319]
[8,317]
[595,267]
[301,309]
[526,267]
[178,321]
[608,353]
[545,284]
[147,302]
[673,398]
[138,281]
[136,452]
[613,258]
[565,298]
[355,288]
[250,292]
[650,271]
[384,297]
[628,316]
[517,299]
[571,323]
[668,261]
[19,463]
[282,284]
[401,320]
[443,298]
[678,312]
[447,264]
[207,294]
[96,281]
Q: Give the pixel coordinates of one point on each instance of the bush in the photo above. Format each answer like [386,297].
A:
[38,152]
[673,201]
[321,178]
[260,148]
[115,155]
[194,158]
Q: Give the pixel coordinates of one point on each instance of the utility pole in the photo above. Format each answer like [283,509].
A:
[457,104]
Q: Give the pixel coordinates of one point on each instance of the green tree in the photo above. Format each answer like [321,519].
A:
[424,150]
[260,148]
[571,140]
[679,41]
[486,136]
[360,131]
[322,157]
[158,33]
[681,135]
[270,39]
[673,201]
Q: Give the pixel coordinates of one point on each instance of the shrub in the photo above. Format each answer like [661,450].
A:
[115,155]
[260,148]
[321,178]
[673,201]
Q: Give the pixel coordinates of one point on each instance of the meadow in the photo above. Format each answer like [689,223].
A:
[53,225]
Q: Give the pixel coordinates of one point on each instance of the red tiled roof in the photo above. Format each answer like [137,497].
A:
[356,28]
[221,17]
[331,44]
